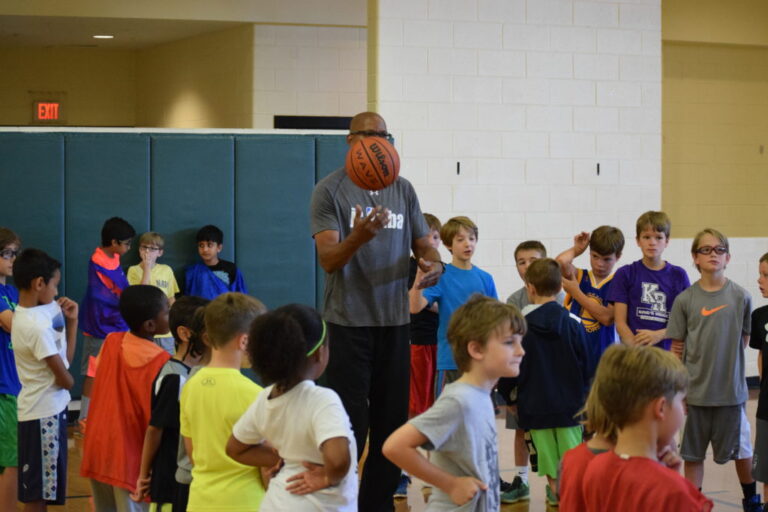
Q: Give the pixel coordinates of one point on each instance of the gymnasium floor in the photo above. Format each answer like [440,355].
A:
[720,483]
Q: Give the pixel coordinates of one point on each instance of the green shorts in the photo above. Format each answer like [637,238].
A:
[551,444]
[9,431]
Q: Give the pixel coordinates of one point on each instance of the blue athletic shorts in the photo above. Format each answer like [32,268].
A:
[43,459]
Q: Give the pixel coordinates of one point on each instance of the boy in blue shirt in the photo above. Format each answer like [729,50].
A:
[460,281]
[9,378]
[212,276]
[588,289]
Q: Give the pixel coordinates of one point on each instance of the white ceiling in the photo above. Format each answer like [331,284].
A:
[18,31]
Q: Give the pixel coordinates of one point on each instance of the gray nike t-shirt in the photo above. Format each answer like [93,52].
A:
[461,429]
[372,289]
[712,325]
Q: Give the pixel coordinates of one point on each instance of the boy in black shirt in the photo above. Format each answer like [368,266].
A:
[157,476]
[759,340]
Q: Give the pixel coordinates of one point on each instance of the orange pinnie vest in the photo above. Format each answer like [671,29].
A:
[119,415]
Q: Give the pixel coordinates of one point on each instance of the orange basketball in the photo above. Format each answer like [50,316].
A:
[373,163]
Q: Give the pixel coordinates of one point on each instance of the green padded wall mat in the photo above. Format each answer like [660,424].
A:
[192,185]
[32,167]
[274,177]
[107,174]
[330,153]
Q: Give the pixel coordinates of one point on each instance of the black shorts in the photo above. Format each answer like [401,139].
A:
[43,459]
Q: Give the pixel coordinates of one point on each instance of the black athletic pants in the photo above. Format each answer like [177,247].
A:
[369,367]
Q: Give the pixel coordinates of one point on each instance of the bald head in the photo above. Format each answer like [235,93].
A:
[365,122]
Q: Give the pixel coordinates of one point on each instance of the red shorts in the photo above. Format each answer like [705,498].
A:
[423,364]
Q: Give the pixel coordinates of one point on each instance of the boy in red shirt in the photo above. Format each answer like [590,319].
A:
[121,402]
[575,460]
[641,389]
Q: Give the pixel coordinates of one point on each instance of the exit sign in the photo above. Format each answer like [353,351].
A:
[47,110]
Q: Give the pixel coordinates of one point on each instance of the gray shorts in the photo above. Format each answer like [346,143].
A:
[91,348]
[726,427]
[760,457]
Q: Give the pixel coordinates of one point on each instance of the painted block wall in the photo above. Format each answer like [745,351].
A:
[307,70]
[715,132]
[100,84]
[529,97]
[198,82]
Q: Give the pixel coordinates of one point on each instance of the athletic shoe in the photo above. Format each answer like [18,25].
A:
[402,488]
[752,504]
[552,500]
[519,491]
[504,486]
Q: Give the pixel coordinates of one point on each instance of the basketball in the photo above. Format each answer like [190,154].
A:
[373,163]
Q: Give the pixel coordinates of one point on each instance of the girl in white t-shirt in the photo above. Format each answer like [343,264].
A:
[306,424]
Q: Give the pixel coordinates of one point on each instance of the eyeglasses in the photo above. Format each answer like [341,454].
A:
[126,243]
[373,133]
[148,248]
[8,254]
[708,249]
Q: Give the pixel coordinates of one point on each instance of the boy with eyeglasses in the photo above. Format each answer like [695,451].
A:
[709,327]
[149,271]
[100,309]
[9,377]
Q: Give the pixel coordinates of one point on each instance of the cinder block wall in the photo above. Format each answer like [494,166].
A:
[529,97]
[317,71]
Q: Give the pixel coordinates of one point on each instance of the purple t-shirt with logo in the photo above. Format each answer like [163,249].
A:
[648,294]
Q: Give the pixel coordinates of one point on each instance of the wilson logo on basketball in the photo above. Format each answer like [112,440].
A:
[372,163]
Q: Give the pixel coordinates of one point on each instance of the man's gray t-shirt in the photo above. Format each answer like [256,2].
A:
[712,325]
[461,429]
[520,298]
[371,290]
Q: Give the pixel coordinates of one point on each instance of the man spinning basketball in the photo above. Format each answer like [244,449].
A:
[363,241]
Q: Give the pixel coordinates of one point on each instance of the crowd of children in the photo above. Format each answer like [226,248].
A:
[593,380]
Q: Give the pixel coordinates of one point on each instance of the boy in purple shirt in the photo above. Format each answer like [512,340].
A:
[100,310]
[643,291]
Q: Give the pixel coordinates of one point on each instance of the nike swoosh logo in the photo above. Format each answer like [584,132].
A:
[707,312]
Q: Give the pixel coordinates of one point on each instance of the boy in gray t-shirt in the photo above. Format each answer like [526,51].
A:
[709,326]
[459,429]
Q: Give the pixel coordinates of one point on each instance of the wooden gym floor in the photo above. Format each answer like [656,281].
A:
[720,482]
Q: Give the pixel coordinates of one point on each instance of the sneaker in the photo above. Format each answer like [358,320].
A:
[552,500]
[402,488]
[517,491]
[752,504]
[504,486]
